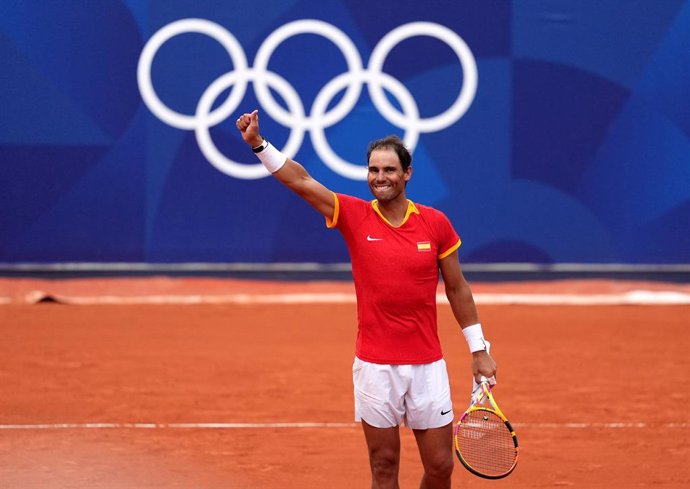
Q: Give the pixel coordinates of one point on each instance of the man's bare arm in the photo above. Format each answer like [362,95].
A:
[291,174]
[465,311]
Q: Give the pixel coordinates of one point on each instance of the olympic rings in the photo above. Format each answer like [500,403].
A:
[148,94]
[296,117]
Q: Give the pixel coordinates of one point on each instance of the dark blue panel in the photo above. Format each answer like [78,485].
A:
[483,24]
[640,172]
[35,111]
[32,180]
[225,220]
[304,236]
[575,147]
[495,251]
[560,116]
[87,50]
[673,226]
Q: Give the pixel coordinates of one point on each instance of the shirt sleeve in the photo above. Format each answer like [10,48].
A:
[333,222]
[448,238]
[347,208]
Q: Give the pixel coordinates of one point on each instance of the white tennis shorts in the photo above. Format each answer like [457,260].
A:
[387,395]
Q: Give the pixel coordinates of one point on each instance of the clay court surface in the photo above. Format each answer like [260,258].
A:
[236,392]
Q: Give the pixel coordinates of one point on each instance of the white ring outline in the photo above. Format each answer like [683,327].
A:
[329,32]
[184,26]
[203,136]
[318,136]
[456,43]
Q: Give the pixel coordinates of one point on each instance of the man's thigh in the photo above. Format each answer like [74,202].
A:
[435,445]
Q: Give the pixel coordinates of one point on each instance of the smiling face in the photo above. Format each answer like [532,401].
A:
[386,177]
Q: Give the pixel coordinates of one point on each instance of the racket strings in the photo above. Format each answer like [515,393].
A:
[486,444]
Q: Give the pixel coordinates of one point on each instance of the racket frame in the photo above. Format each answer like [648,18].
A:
[481,397]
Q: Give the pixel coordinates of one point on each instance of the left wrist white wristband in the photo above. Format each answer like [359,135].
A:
[474,337]
[270,157]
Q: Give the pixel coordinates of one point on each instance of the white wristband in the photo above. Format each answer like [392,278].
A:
[271,158]
[474,337]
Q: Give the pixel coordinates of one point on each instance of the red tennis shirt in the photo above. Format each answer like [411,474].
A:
[395,270]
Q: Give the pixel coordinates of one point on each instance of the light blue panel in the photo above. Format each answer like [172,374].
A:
[611,38]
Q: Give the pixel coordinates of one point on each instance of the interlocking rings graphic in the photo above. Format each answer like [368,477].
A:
[295,117]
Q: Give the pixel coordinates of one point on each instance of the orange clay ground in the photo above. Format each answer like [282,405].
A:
[599,395]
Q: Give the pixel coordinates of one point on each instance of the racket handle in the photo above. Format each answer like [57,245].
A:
[476,387]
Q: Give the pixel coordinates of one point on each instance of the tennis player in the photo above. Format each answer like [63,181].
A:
[397,248]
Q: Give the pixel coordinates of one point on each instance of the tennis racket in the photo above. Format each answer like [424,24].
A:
[485,442]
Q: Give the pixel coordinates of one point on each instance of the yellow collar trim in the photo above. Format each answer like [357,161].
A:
[411,209]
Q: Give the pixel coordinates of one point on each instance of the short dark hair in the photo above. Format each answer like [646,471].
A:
[396,144]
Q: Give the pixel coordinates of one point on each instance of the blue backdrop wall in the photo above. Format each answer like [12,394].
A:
[548,131]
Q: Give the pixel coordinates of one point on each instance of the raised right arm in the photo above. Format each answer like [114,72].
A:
[290,173]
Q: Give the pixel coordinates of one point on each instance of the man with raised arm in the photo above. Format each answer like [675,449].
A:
[397,248]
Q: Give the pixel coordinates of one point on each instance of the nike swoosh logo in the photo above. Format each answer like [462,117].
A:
[443,413]
[369,238]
